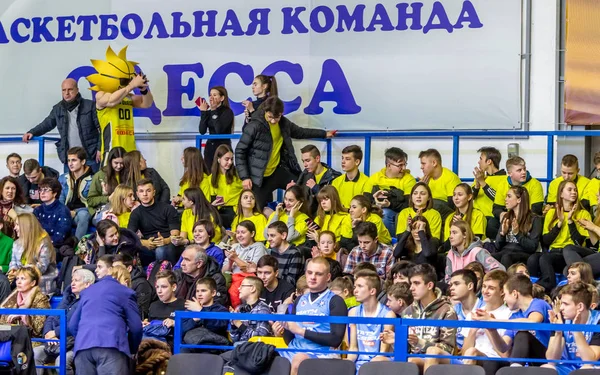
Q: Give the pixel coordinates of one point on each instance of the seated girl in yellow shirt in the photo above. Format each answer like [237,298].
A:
[248,209]
[463,201]
[362,210]
[225,184]
[195,175]
[196,208]
[420,203]
[330,214]
[293,213]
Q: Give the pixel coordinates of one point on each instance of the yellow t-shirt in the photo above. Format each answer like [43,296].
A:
[564,237]
[383,235]
[482,201]
[299,225]
[333,223]
[259,221]
[230,192]
[533,186]
[478,224]
[433,217]
[443,187]
[124,219]
[187,226]
[582,182]
[348,189]
[276,151]
[204,186]
[319,176]
[591,191]
[379,179]
[116,126]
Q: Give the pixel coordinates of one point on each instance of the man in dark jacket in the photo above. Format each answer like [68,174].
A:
[264,156]
[77,125]
[315,175]
[194,266]
[32,176]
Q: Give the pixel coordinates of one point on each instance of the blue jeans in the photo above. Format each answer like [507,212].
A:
[169,252]
[82,221]
[389,220]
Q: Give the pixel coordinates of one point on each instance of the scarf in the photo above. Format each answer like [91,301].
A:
[187,289]
[5,206]
[70,106]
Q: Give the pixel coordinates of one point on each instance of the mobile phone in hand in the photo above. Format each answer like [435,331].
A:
[199,101]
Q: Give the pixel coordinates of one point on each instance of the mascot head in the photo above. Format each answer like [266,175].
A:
[114,73]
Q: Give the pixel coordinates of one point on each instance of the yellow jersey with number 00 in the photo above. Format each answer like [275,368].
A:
[116,126]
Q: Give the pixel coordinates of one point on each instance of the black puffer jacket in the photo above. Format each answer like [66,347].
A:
[89,128]
[253,151]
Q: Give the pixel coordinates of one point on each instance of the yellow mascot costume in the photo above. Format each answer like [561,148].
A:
[114,81]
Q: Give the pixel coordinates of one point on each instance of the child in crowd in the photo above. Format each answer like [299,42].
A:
[420,204]
[399,297]
[196,207]
[361,210]
[366,337]
[242,330]
[343,287]
[206,290]
[104,266]
[352,182]
[162,312]
[293,213]
[204,232]
[225,184]
[326,246]
[248,209]
[291,262]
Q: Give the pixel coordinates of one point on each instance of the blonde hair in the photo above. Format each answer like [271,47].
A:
[31,237]
[466,231]
[121,274]
[32,272]
[117,199]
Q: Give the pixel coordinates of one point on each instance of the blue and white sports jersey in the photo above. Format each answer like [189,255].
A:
[318,307]
[367,335]
[462,332]
[570,350]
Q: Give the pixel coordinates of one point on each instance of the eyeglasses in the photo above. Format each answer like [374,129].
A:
[46,190]
[399,165]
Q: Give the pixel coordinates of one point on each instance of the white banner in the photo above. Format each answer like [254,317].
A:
[351,65]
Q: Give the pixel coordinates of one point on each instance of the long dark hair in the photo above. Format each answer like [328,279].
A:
[231,173]
[271,83]
[257,210]
[559,202]
[132,173]
[300,197]
[194,165]
[113,177]
[202,207]
[410,242]
[525,218]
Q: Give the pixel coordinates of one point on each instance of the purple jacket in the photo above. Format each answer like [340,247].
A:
[107,316]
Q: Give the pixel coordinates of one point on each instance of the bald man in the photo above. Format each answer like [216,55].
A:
[77,123]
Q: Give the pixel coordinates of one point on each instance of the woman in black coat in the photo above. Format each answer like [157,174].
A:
[217,118]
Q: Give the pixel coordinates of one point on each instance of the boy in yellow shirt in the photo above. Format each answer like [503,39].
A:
[569,171]
[518,175]
[352,182]
[441,181]
[589,200]
[390,187]
[488,178]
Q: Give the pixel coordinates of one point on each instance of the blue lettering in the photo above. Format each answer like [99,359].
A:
[64,28]
[342,94]
[231,23]
[296,74]
[315,24]
[438,12]
[380,17]
[108,31]
[3,38]
[356,18]
[404,15]
[291,20]
[209,23]
[40,28]
[14,30]
[259,19]
[86,33]
[220,75]
[152,112]
[176,89]
[181,29]
[468,14]
[157,22]
[138,26]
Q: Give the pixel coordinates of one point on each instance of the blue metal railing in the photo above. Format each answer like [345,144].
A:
[41,144]
[62,369]
[454,135]
[401,329]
